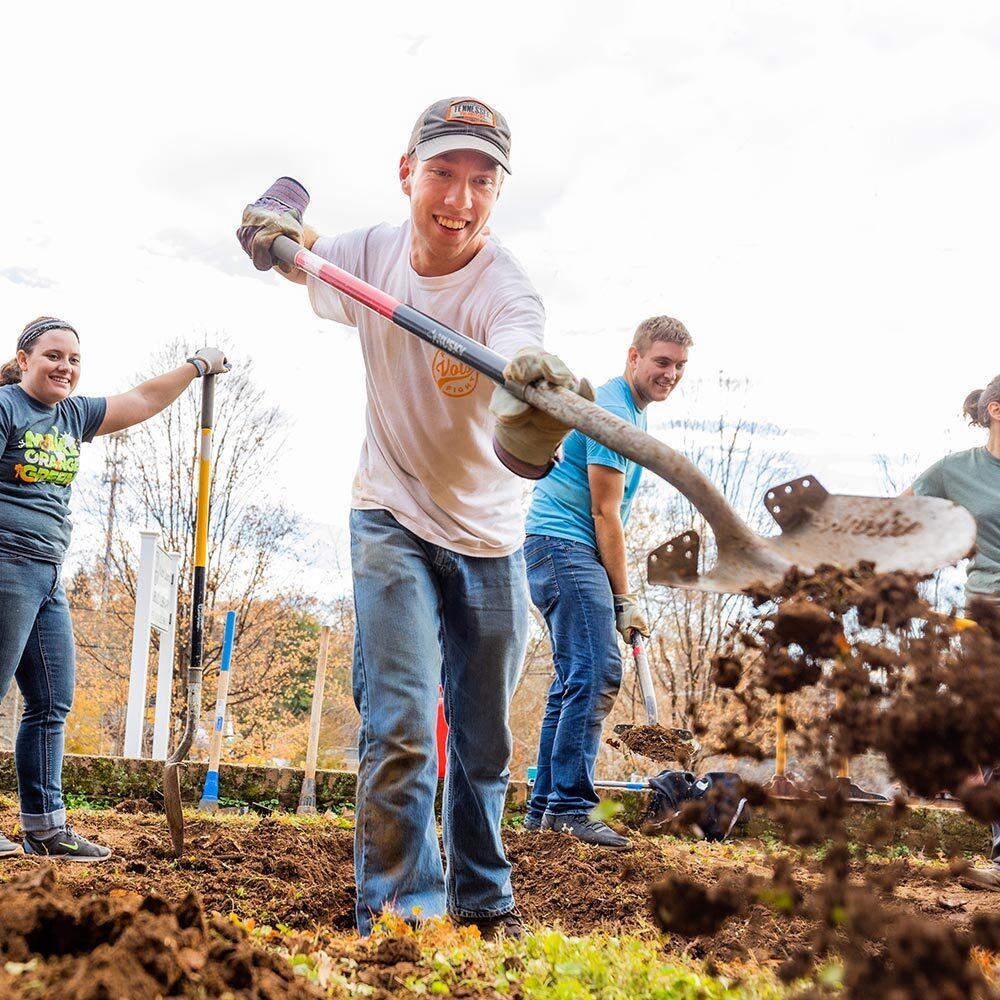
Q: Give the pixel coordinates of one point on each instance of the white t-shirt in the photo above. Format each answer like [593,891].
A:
[428,454]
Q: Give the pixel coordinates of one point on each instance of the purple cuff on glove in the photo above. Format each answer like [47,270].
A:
[519,467]
[285,195]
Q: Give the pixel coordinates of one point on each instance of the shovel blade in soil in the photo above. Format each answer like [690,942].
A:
[897,534]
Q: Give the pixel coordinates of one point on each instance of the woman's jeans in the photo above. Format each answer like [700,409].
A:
[569,586]
[427,616]
[36,648]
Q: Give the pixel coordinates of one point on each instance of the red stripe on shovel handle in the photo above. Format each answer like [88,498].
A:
[478,356]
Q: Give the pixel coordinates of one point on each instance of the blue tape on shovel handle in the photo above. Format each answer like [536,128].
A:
[211,792]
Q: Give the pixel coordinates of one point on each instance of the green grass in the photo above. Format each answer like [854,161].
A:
[546,965]
[557,967]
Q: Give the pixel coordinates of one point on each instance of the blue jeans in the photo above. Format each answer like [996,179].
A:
[36,649]
[426,616]
[570,587]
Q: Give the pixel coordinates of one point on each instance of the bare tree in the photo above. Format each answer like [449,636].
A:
[250,535]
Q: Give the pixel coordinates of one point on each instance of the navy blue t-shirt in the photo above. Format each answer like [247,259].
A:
[39,459]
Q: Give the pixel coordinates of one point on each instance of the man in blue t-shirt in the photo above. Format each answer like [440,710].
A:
[575,554]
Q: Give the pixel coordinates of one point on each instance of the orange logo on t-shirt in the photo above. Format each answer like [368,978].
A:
[452,377]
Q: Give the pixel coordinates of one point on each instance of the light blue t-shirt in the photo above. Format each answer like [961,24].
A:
[972,479]
[560,505]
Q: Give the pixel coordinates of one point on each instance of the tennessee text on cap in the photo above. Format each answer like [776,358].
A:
[461,123]
[34,331]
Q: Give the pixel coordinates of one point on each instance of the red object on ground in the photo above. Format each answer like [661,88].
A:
[442,739]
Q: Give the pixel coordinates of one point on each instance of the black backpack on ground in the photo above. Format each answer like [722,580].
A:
[723,807]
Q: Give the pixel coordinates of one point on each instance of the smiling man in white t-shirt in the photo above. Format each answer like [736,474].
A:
[436,533]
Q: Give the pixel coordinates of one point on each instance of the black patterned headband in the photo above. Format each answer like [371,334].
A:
[34,331]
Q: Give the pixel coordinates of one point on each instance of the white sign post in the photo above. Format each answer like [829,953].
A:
[155,607]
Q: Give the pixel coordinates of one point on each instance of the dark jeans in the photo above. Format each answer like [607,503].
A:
[427,616]
[570,587]
[36,649]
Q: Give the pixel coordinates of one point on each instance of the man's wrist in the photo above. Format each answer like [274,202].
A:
[200,366]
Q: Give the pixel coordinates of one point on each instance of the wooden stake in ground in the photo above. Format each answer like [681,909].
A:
[307,797]
[210,796]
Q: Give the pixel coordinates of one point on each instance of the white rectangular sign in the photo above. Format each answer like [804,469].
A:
[163,593]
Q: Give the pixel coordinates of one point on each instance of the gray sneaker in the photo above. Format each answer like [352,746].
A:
[590,831]
[8,848]
[981,878]
[66,845]
[531,824]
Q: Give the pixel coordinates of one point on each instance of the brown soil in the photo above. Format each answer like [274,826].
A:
[914,686]
[653,742]
[303,877]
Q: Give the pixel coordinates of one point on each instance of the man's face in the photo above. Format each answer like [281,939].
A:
[451,197]
[656,373]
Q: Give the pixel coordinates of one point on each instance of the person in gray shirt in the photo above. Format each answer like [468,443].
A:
[42,428]
[972,479]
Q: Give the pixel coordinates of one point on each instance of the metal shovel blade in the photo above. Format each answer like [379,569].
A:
[910,534]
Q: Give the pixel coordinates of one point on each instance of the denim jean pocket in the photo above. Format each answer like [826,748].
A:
[543,582]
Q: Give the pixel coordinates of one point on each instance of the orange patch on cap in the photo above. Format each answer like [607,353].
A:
[472,113]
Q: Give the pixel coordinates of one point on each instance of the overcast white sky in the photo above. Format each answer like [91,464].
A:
[812,188]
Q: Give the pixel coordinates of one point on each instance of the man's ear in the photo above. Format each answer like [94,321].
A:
[405,175]
[633,355]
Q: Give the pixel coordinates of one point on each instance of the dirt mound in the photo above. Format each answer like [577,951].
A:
[260,868]
[106,948]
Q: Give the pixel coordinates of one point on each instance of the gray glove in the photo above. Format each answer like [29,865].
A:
[209,361]
[526,439]
[277,212]
[628,616]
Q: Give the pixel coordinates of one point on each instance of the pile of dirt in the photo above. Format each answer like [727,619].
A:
[653,742]
[53,944]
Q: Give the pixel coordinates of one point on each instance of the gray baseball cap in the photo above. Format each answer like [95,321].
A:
[461,123]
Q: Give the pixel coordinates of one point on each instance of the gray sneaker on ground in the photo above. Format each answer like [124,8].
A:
[981,878]
[531,824]
[8,848]
[66,845]
[590,831]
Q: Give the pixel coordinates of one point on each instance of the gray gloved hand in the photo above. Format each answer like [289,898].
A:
[628,616]
[209,361]
[526,439]
[277,212]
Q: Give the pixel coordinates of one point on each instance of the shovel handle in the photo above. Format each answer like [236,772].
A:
[731,532]
[644,675]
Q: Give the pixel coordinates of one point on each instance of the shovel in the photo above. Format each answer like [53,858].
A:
[645,676]
[913,534]
[171,772]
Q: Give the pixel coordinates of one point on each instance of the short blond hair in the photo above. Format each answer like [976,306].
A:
[664,328]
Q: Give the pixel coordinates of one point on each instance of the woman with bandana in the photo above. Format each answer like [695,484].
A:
[42,426]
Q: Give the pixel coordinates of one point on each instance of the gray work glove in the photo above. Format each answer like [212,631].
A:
[209,361]
[526,439]
[628,616]
[277,212]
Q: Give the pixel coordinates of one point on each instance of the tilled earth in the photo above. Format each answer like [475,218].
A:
[145,918]
[924,696]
